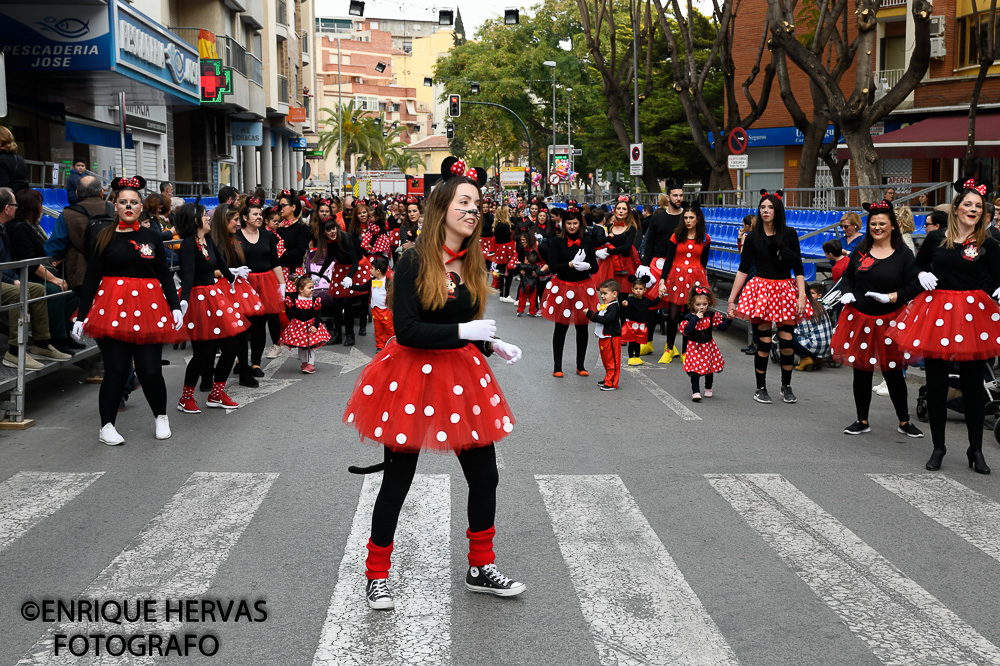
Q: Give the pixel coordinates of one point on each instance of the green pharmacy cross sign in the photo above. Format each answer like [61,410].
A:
[216,81]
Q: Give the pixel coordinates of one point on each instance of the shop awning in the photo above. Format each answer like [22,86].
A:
[941,137]
[96,133]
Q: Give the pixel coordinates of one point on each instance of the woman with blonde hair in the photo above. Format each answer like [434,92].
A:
[13,169]
[850,224]
[906,226]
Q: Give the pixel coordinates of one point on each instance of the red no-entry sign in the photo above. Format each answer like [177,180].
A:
[738,141]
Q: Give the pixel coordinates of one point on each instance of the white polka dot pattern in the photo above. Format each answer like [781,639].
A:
[950,325]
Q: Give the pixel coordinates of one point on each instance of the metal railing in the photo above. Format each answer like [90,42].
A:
[811,198]
[229,50]
[304,40]
[281,13]
[282,89]
[885,79]
[892,3]
[256,69]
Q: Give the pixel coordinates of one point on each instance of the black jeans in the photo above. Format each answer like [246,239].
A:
[118,360]
[559,342]
[896,383]
[203,355]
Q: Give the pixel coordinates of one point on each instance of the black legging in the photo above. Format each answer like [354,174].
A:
[258,338]
[696,381]
[203,354]
[971,376]
[786,334]
[559,342]
[274,326]
[506,280]
[118,359]
[341,310]
[673,320]
[896,383]
[480,468]
[361,310]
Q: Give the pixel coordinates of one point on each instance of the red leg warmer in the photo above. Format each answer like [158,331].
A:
[481,547]
[378,562]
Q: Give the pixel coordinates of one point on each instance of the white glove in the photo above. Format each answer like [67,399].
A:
[178,319]
[581,266]
[996,294]
[847,298]
[480,329]
[493,267]
[281,289]
[927,280]
[602,254]
[874,295]
[241,272]
[184,307]
[506,351]
[346,283]
[539,236]
[643,271]
[77,332]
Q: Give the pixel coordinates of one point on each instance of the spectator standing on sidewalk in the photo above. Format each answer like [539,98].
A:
[73,180]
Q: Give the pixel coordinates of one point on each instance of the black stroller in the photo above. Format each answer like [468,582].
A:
[955,401]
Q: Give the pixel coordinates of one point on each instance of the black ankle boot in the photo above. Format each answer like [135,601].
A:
[338,337]
[247,378]
[934,464]
[349,340]
[977,461]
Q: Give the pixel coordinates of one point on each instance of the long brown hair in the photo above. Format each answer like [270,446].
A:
[432,289]
[224,240]
[681,232]
[355,228]
[981,226]
[631,217]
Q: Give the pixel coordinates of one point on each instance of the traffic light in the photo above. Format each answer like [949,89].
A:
[454,105]
[450,131]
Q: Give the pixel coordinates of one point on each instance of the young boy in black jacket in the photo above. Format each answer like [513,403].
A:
[609,334]
[527,292]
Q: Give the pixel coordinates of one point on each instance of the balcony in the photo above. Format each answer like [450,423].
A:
[281,103]
[885,79]
[281,20]
[892,3]
[248,74]
[254,14]
[304,46]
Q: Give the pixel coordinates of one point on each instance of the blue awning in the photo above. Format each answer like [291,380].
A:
[96,135]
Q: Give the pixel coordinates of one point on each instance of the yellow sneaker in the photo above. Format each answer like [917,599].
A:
[682,357]
[646,349]
[668,356]
[636,361]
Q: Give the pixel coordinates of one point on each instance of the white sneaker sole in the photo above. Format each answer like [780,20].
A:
[859,432]
[167,436]
[381,605]
[512,592]
[903,432]
[111,443]
[219,405]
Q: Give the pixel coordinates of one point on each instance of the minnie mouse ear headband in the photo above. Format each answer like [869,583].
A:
[980,187]
[701,291]
[134,183]
[645,279]
[777,194]
[254,202]
[412,200]
[881,208]
[454,166]
[625,198]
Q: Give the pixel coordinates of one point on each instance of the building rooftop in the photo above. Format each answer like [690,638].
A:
[435,142]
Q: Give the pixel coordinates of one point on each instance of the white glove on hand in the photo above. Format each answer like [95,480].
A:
[493,267]
[881,298]
[178,319]
[927,280]
[346,283]
[996,294]
[581,266]
[539,236]
[602,254]
[480,329]
[643,271]
[847,298]
[241,272]
[184,307]
[506,351]
[77,332]
[281,289]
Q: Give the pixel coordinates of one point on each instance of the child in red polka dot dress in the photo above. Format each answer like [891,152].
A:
[304,330]
[702,358]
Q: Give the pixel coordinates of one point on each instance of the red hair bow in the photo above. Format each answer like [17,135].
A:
[776,195]
[880,204]
[285,193]
[254,201]
[701,291]
[459,168]
[572,209]
[471,173]
[411,200]
[129,182]
[971,185]
[325,202]
[624,198]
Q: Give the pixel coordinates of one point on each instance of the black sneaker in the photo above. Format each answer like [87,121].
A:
[520,314]
[605,387]
[600,383]
[749,350]
[761,395]
[857,428]
[910,430]
[487,579]
[787,395]
[378,595]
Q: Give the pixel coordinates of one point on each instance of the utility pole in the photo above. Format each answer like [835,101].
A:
[635,72]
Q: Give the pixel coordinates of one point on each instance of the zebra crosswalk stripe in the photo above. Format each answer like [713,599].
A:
[27,498]
[900,621]
[418,631]
[175,556]
[609,546]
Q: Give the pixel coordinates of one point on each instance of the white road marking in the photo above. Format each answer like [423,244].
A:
[499,456]
[28,498]
[348,362]
[175,556]
[965,512]
[418,631]
[900,621]
[639,607]
[268,385]
[670,401]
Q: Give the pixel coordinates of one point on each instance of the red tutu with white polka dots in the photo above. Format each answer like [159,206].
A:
[950,325]
[567,302]
[703,358]
[245,299]
[770,300]
[616,267]
[339,271]
[130,309]
[266,286]
[211,315]
[863,341]
[428,399]
[633,331]
[504,253]
[297,334]
[681,278]
[486,245]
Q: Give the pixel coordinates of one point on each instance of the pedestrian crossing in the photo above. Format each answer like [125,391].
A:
[636,604]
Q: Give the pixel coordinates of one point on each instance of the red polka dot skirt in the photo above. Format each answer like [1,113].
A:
[682,277]
[486,244]
[770,300]
[633,331]
[504,253]
[616,267]
[950,325]
[130,309]
[863,341]
[266,286]
[656,268]
[339,271]
[566,302]
[439,400]
[703,358]
[245,299]
[211,315]
[297,334]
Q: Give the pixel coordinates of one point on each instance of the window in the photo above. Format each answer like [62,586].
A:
[970,38]
[407,44]
[366,102]
[374,25]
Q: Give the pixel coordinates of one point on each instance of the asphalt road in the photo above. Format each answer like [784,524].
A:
[648,529]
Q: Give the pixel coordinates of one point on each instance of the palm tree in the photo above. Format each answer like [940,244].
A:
[385,140]
[403,160]
[359,133]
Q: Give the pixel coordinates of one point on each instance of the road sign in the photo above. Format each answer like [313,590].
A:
[577,152]
[738,141]
[553,179]
[635,156]
[635,170]
[739,161]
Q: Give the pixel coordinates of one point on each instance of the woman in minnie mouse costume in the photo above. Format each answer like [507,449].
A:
[618,258]
[571,292]
[260,251]
[129,305]
[350,279]
[877,283]
[403,238]
[955,320]
[771,296]
[444,395]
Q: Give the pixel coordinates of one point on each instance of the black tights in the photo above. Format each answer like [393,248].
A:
[258,338]
[696,381]
[633,350]
[341,310]
[971,375]
[673,320]
[896,383]
[480,468]
[786,333]
[118,359]
[360,310]
[274,327]
[559,342]
[506,280]
[203,354]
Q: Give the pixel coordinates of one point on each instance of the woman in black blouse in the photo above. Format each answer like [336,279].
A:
[294,234]
[129,305]
[771,296]
[876,286]
[443,395]
[955,320]
[260,250]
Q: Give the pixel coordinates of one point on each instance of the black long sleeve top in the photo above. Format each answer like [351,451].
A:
[775,258]
[661,227]
[501,234]
[621,243]
[307,310]
[25,243]
[196,269]
[672,251]
[135,254]
[962,268]
[349,252]
[700,330]
[487,230]
[261,256]
[529,277]
[638,310]
[865,273]
[560,254]
[609,318]
[296,237]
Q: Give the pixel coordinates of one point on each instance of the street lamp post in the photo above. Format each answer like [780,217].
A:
[552,64]
[635,72]
[569,140]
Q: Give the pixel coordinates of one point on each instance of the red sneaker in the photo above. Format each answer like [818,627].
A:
[308,368]
[188,406]
[222,400]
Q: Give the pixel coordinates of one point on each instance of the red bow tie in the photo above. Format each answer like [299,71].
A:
[454,255]
[571,243]
[123,225]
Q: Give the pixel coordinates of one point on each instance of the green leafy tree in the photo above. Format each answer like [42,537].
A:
[359,133]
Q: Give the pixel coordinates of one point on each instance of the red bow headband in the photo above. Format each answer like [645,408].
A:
[460,168]
[624,198]
[572,209]
[881,205]
[324,202]
[701,291]
[412,200]
[129,182]
[765,193]
[285,193]
[971,184]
